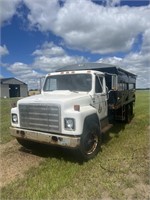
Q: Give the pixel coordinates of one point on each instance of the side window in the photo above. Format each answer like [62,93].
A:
[122,86]
[131,86]
[98,85]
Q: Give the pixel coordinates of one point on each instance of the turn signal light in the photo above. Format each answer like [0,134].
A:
[77,107]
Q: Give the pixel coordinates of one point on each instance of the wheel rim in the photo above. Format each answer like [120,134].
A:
[91,143]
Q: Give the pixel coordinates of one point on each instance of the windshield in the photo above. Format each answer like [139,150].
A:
[72,82]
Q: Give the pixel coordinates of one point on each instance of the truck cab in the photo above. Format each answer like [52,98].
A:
[72,111]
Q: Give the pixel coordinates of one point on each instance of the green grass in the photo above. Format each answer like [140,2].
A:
[5,107]
[118,171]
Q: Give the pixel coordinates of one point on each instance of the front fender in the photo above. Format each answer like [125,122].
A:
[80,117]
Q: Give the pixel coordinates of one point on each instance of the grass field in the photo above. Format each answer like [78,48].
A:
[120,171]
[5,107]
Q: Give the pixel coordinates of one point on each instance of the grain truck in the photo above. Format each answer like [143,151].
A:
[77,105]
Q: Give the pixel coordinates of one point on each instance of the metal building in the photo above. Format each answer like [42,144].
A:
[12,87]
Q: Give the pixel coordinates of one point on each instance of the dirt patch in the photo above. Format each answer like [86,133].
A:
[15,161]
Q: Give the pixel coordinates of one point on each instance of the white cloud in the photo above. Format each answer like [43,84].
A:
[8,9]
[3,50]
[137,63]
[25,73]
[50,64]
[46,59]
[146,41]
[87,26]
[84,25]
[49,57]
[49,49]
[42,13]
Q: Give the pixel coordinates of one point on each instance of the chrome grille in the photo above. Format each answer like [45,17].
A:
[40,117]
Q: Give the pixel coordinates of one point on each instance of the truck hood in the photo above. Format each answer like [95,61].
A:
[59,97]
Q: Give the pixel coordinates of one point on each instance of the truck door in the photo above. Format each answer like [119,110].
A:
[100,97]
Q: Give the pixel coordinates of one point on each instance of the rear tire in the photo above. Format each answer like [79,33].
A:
[129,113]
[90,143]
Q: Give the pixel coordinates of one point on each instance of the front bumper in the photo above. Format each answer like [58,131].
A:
[47,138]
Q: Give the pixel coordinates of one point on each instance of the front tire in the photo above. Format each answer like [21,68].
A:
[90,143]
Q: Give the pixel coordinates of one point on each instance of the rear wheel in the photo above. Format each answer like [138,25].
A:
[90,143]
[129,113]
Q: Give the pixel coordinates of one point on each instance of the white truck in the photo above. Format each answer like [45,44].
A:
[76,106]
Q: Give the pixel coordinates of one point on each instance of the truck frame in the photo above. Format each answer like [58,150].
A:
[78,104]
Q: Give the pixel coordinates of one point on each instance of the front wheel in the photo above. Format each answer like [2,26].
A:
[90,143]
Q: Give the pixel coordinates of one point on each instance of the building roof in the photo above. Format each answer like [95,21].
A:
[11,80]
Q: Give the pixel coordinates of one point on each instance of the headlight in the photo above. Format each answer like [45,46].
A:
[69,124]
[14,118]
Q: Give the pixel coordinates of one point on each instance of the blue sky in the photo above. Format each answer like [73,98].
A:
[41,35]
